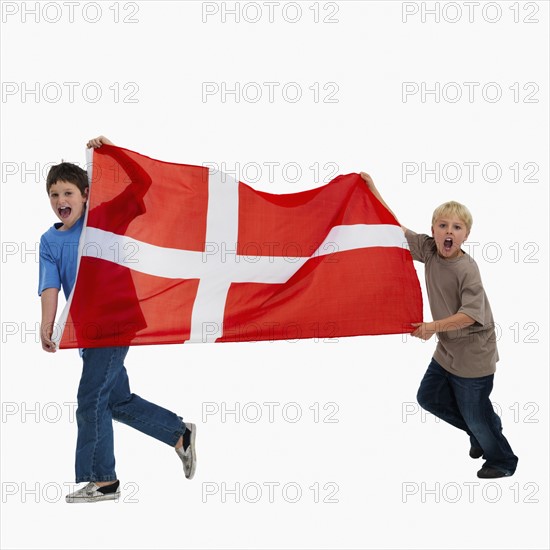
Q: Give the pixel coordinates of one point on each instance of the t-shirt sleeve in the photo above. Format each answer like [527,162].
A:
[420,245]
[49,276]
[472,296]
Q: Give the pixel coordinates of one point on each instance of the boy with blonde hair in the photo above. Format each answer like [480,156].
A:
[459,379]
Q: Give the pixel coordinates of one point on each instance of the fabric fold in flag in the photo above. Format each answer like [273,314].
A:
[174,253]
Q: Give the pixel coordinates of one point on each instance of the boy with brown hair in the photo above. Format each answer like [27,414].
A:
[104,391]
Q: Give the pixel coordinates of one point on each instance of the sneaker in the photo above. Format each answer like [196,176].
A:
[93,493]
[476,452]
[491,473]
[189,457]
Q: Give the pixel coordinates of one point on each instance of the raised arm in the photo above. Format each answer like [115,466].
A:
[140,179]
[376,193]
[116,214]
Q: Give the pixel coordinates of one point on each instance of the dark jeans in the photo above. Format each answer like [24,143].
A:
[103,396]
[464,403]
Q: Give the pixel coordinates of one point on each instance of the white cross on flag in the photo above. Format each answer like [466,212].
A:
[171,253]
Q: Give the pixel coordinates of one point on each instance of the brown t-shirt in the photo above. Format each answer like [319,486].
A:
[454,285]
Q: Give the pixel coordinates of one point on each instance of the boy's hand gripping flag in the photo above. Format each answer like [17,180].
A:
[171,253]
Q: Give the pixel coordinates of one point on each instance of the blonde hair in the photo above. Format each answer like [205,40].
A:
[454,208]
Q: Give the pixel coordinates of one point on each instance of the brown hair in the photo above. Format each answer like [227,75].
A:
[67,171]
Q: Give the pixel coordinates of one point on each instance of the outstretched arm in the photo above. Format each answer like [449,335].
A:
[376,193]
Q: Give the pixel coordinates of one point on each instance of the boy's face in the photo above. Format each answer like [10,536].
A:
[449,233]
[67,202]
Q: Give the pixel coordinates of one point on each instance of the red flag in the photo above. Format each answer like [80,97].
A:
[172,253]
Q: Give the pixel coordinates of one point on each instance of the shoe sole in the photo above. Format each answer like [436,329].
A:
[87,500]
[498,476]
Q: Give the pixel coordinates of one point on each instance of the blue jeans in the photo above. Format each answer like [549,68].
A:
[104,395]
[464,403]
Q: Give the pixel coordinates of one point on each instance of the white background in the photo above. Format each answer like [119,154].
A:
[399,479]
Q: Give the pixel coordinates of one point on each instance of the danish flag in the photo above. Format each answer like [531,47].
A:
[172,253]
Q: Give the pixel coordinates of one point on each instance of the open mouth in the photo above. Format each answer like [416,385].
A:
[448,244]
[64,212]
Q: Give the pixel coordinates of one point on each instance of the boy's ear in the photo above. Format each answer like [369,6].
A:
[432,230]
[86,192]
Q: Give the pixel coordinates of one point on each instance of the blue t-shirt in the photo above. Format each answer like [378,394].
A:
[58,257]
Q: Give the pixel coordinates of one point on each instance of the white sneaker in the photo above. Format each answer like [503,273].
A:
[189,457]
[92,493]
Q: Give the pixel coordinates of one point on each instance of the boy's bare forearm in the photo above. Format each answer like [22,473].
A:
[48,301]
[49,304]
[376,193]
[457,321]
[454,322]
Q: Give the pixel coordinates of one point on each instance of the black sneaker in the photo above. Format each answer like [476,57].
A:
[476,452]
[491,473]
